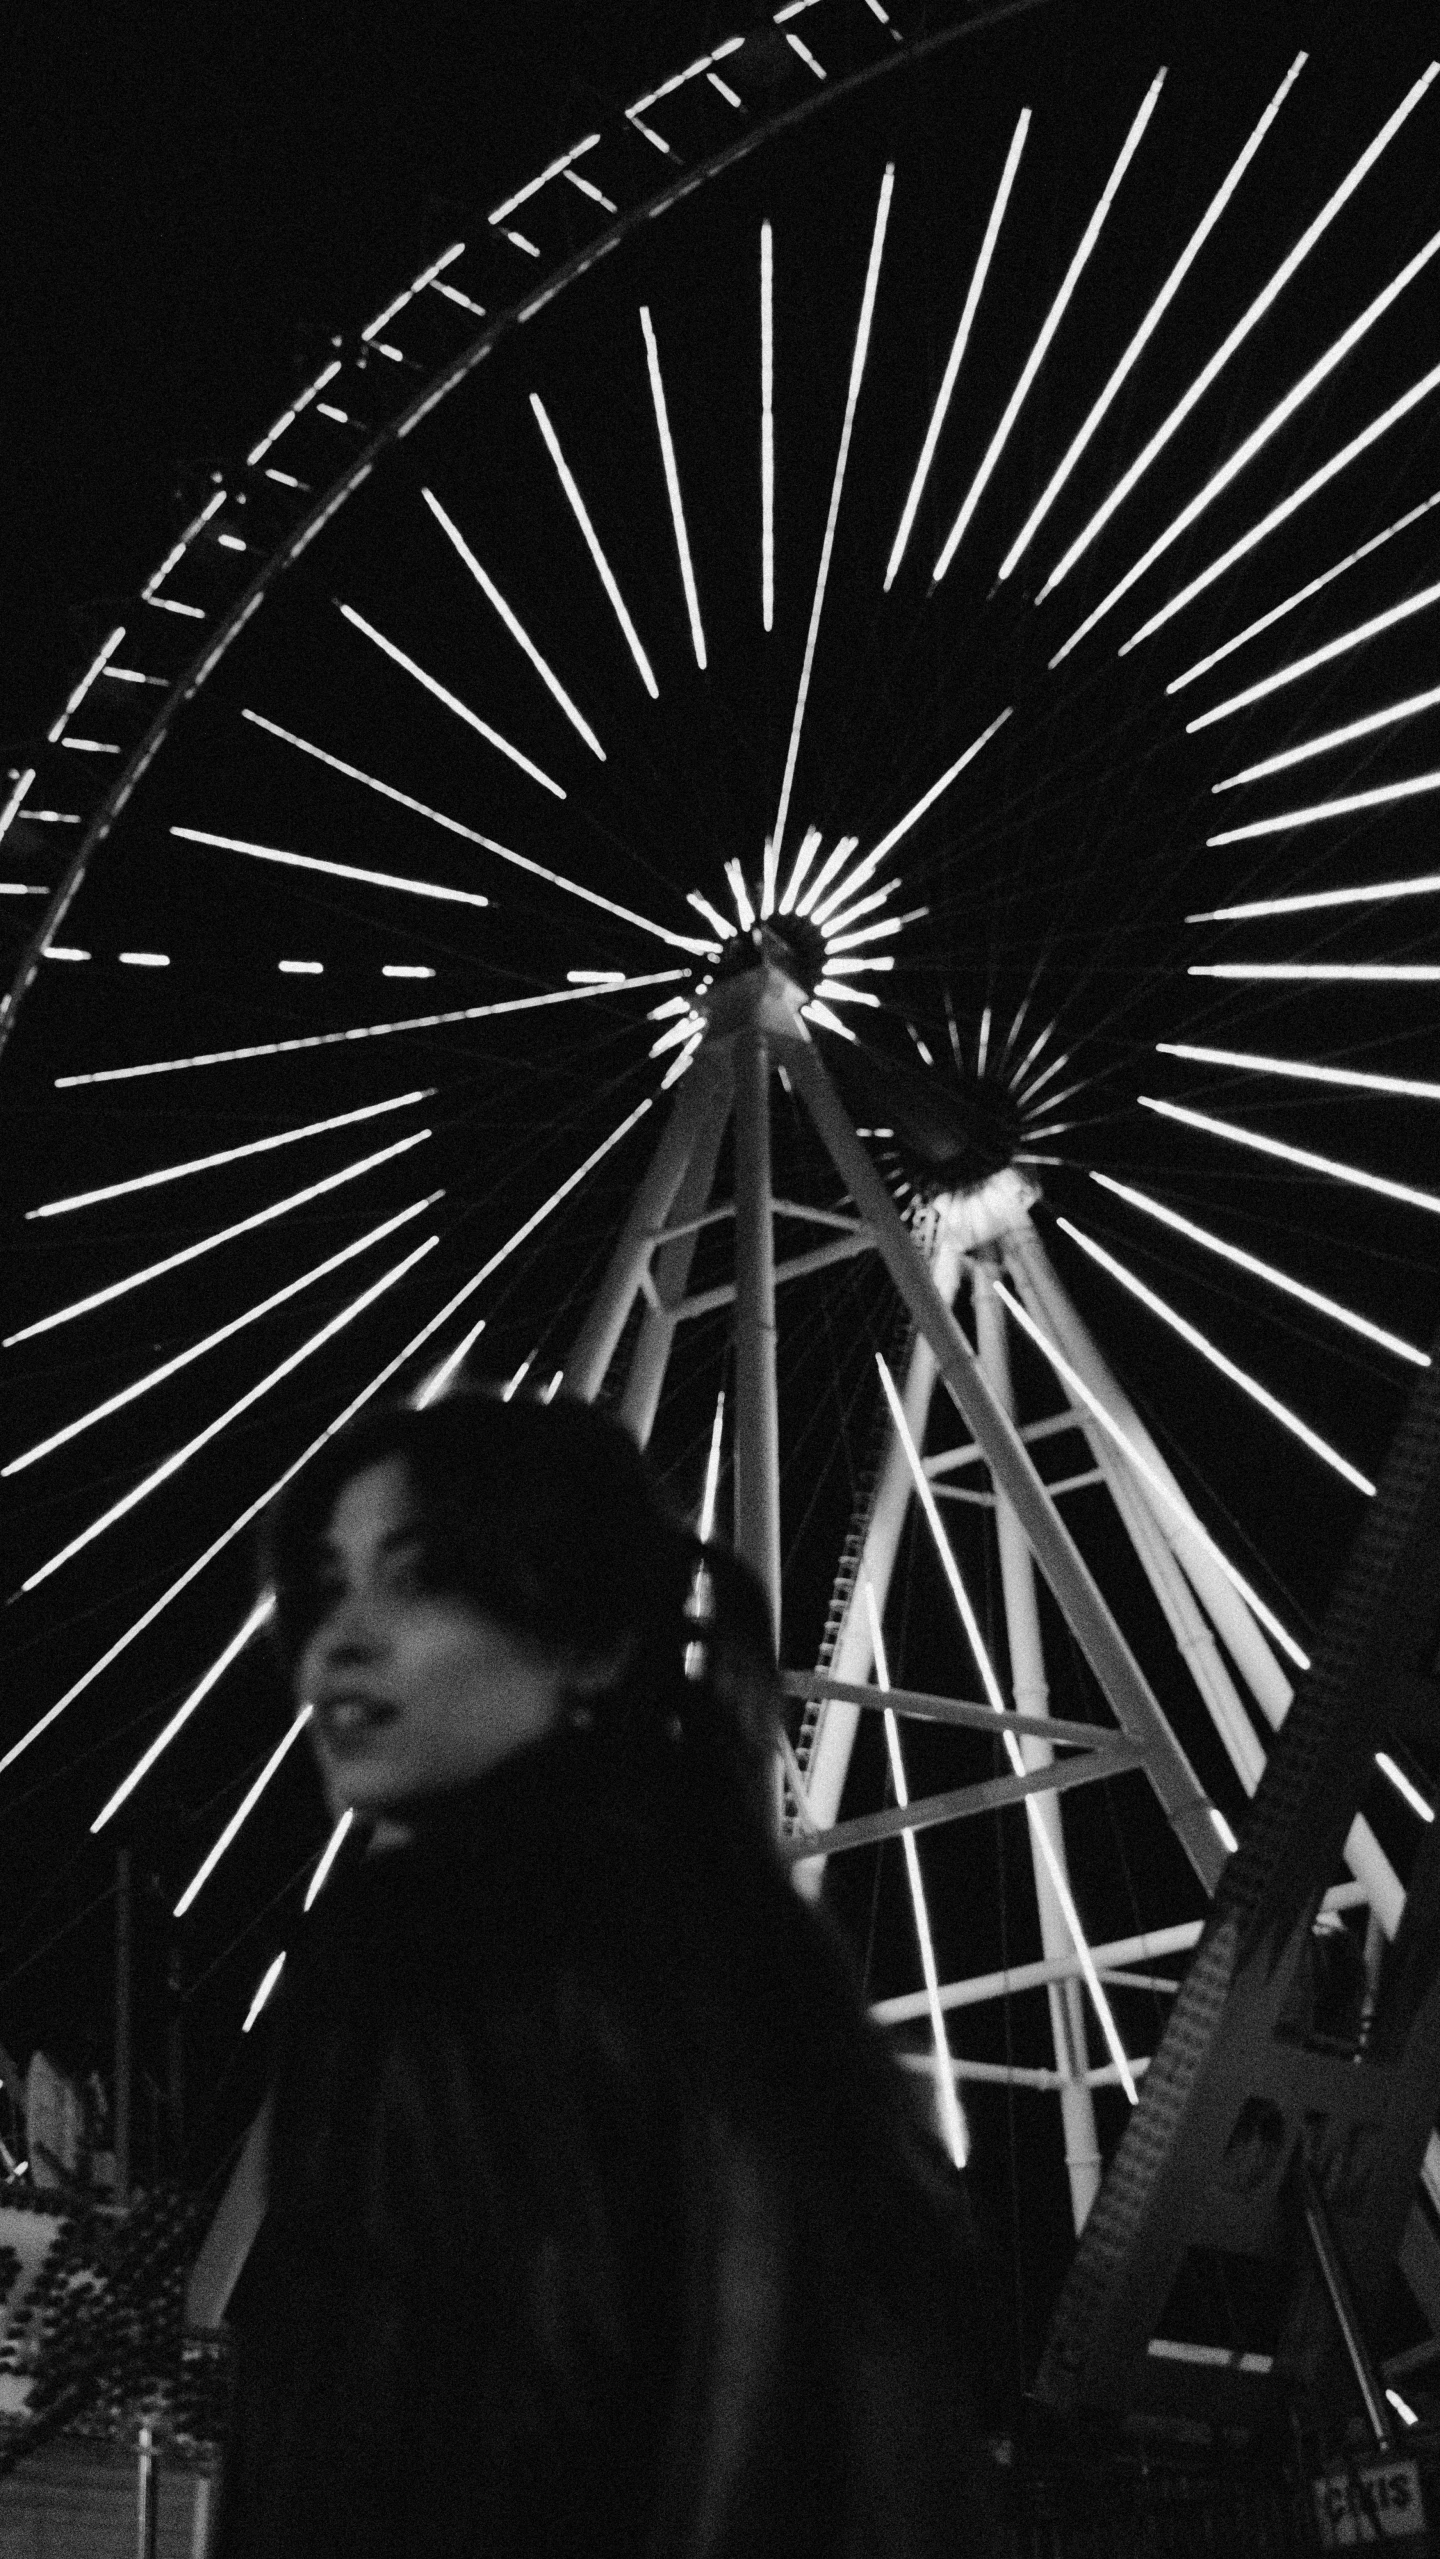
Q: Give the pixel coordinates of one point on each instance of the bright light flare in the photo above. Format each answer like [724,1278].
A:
[1249,319]
[767,426]
[852,394]
[513,624]
[262,1994]
[603,569]
[225,1332]
[1051,323]
[1218,1359]
[328,1855]
[376,1030]
[333,870]
[1356,1079]
[452,701]
[951,2118]
[959,343]
[1151,321]
[1282,1280]
[1349,804]
[1300,1156]
[249,1627]
[1038,1831]
[179,1457]
[236,1824]
[1173,1502]
[672,487]
[223,1235]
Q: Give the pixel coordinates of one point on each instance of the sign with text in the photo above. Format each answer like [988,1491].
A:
[1375,2501]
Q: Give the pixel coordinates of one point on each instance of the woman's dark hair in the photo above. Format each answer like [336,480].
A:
[550,1518]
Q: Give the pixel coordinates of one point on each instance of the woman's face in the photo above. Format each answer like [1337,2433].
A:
[415,1691]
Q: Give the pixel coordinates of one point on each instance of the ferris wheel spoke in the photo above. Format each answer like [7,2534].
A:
[1388,718]
[1325,655]
[1348,804]
[1238,1376]
[241,1815]
[866,868]
[223,1235]
[1282,511]
[776,838]
[1303,1070]
[1151,321]
[956,357]
[487,843]
[379,1030]
[332,870]
[223,1333]
[1301,595]
[451,701]
[1325,972]
[1053,317]
[513,623]
[230,1154]
[1267,1271]
[1174,1502]
[1249,320]
[179,1457]
[250,1626]
[603,569]
[1245,453]
[767,426]
[1302,1157]
[672,486]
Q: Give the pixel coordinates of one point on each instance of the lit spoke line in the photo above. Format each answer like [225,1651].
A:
[1323,656]
[1218,1359]
[810,843]
[1357,1079]
[266,1985]
[1326,973]
[249,1627]
[453,826]
[1411,1795]
[706,1529]
[603,569]
[741,895]
[332,870]
[1051,323]
[230,1154]
[11,808]
[1249,319]
[835,860]
[817,1011]
[1301,595]
[865,869]
[838,919]
[1282,1280]
[1151,321]
[767,426]
[1173,1501]
[1288,506]
[1346,806]
[238,1819]
[672,486]
[1038,1831]
[949,2103]
[822,575]
[436,1385]
[1245,452]
[223,1235]
[712,914]
[1300,1156]
[237,1527]
[181,1456]
[225,1332]
[328,1855]
[513,624]
[451,700]
[1366,727]
[956,356]
[373,1030]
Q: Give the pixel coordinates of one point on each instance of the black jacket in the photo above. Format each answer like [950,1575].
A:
[599,2224]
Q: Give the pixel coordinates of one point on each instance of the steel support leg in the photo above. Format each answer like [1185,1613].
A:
[757,1426]
[600,1333]
[670,1273]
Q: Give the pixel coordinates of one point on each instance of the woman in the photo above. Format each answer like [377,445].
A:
[599,2222]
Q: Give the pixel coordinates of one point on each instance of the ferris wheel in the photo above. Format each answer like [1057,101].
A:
[794,792]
